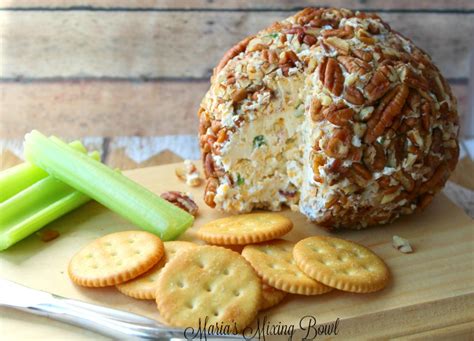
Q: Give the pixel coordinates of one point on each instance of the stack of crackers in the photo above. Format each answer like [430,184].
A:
[246,269]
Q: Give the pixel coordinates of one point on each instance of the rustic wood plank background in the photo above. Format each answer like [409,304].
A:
[116,69]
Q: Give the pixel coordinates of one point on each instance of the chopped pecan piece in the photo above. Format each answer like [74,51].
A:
[346,32]
[401,244]
[315,110]
[288,57]
[406,180]
[330,74]
[426,115]
[318,160]
[47,235]
[204,122]
[309,39]
[272,57]
[374,29]
[338,44]
[364,36]
[374,157]
[182,200]
[239,95]
[189,173]
[210,192]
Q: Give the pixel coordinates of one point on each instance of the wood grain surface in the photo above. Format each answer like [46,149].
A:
[180,44]
[243,5]
[429,289]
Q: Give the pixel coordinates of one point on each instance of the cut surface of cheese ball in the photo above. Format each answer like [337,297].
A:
[332,113]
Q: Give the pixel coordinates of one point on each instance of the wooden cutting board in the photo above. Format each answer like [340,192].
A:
[431,289]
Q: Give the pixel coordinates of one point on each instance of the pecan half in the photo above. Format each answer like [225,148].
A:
[338,145]
[364,55]
[438,176]
[388,109]
[182,201]
[353,95]
[330,74]
[362,171]
[410,78]
[234,51]
[338,114]
[377,86]
[209,169]
[354,65]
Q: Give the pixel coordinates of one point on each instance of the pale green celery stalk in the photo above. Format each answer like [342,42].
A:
[15,179]
[112,189]
[36,206]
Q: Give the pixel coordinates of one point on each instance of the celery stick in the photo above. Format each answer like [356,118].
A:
[14,180]
[112,189]
[36,206]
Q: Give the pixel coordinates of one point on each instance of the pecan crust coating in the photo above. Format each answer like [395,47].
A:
[383,118]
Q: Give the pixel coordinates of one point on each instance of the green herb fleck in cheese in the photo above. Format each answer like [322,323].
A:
[259,141]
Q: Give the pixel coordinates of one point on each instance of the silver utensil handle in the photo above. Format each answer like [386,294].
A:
[101,324]
[110,322]
[106,321]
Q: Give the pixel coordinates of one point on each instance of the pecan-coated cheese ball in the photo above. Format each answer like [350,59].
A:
[332,113]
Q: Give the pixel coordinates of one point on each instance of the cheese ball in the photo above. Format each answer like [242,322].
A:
[332,113]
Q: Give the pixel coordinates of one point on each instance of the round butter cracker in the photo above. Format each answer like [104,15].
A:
[271,297]
[341,264]
[208,281]
[274,263]
[115,258]
[245,229]
[144,286]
